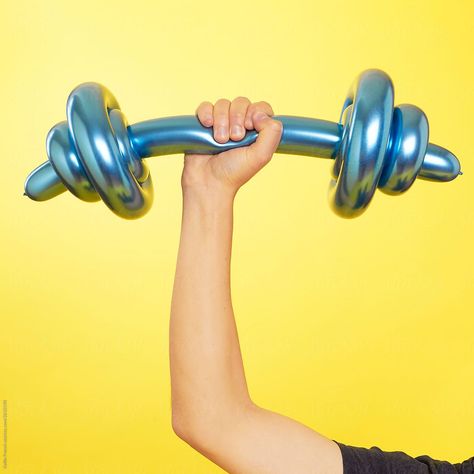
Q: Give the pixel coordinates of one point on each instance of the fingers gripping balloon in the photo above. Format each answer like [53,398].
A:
[97,155]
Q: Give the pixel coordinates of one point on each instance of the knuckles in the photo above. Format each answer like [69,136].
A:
[237,116]
[241,98]
[223,102]
[265,106]
[277,125]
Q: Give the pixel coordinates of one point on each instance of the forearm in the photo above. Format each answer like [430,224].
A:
[212,410]
[207,375]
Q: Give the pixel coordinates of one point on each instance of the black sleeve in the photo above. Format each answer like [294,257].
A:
[374,461]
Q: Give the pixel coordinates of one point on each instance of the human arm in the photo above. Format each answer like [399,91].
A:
[211,406]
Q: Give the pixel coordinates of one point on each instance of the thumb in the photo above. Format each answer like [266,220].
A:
[269,136]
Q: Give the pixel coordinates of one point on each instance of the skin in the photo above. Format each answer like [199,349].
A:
[212,409]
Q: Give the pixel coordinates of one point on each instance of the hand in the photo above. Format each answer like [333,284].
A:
[232,168]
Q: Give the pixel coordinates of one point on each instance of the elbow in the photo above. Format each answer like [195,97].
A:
[180,428]
[195,427]
[197,432]
[203,430]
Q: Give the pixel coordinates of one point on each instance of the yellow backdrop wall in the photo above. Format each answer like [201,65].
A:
[361,329]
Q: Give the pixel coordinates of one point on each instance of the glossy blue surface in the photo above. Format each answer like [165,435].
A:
[97,155]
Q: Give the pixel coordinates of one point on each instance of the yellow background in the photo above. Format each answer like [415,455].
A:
[361,329]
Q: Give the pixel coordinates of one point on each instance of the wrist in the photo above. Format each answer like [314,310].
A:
[210,196]
[207,213]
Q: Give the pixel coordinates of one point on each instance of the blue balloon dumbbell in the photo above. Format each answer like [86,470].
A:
[97,155]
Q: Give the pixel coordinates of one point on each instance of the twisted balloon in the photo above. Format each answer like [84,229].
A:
[97,155]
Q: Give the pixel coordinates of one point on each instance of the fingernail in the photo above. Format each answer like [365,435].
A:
[220,132]
[208,118]
[237,130]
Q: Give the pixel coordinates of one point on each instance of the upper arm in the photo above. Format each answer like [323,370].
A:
[254,440]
